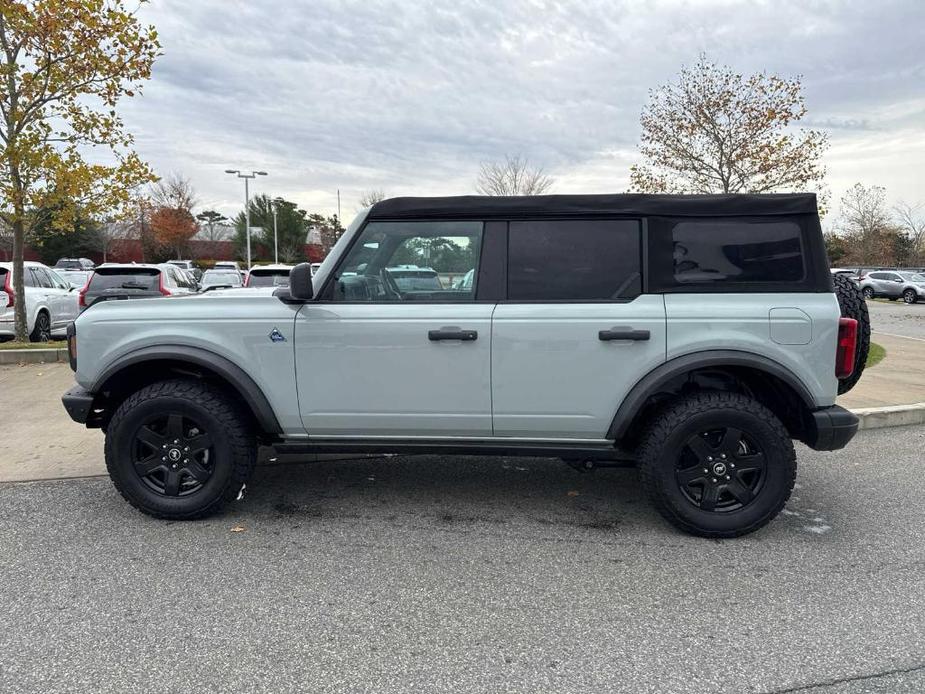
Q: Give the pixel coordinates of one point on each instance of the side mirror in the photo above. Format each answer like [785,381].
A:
[300,282]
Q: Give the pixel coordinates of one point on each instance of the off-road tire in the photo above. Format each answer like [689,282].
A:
[234,445]
[665,438]
[41,331]
[852,305]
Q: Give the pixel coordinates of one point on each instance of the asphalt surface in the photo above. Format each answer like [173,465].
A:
[469,575]
[897,318]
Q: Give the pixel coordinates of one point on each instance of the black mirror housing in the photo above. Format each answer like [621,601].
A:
[300,282]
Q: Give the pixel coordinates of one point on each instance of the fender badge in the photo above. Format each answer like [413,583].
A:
[277,336]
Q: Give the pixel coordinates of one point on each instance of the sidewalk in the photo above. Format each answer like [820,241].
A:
[897,380]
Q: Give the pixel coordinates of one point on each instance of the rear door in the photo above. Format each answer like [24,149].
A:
[374,359]
[576,332]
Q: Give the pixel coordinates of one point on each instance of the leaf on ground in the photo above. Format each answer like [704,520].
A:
[573,493]
[238,529]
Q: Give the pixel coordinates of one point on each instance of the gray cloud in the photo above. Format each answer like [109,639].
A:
[410,98]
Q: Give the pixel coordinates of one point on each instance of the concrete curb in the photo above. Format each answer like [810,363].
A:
[33,356]
[893,416]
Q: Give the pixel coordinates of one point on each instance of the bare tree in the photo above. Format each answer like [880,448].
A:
[870,233]
[174,192]
[107,235]
[911,219]
[717,131]
[514,176]
[371,197]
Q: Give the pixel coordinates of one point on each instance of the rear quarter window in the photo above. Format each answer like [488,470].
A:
[729,254]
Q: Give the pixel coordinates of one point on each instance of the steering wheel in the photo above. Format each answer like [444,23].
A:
[388,283]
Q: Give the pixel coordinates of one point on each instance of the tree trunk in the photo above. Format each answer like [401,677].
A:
[20,321]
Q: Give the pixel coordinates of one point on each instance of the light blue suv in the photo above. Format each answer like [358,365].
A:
[693,336]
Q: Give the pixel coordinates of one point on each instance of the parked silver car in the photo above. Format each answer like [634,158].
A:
[893,285]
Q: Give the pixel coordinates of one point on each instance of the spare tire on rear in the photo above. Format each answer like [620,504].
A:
[852,305]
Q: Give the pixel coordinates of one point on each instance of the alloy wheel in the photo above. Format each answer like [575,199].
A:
[173,455]
[721,470]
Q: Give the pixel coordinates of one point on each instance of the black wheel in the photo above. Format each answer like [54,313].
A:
[717,464]
[852,305]
[180,449]
[42,330]
[910,297]
[868,292]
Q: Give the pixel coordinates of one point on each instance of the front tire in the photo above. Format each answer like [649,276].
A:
[180,449]
[717,464]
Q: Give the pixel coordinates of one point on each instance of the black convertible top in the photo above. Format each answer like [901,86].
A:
[485,207]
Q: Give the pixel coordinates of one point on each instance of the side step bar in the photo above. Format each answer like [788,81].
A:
[577,451]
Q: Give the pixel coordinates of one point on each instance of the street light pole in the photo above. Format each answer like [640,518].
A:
[275,237]
[247,205]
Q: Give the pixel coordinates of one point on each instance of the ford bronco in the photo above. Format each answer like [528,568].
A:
[693,336]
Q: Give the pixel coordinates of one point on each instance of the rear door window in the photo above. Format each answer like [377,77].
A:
[574,260]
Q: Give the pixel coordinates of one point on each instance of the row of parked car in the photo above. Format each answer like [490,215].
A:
[890,283]
[55,296]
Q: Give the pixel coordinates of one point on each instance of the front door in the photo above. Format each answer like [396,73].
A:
[575,333]
[396,344]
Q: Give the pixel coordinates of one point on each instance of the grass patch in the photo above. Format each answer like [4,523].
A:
[54,344]
[875,355]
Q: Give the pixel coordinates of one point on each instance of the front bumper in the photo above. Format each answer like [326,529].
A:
[831,428]
[79,405]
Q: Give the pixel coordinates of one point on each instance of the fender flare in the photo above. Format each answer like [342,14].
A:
[652,382]
[227,370]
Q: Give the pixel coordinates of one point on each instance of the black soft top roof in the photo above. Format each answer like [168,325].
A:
[483,206]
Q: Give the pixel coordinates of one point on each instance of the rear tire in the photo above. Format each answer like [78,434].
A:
[747,454]
[180,449]
[868,292]
[852,305]
[910,297]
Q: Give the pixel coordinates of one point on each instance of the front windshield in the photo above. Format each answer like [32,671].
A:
[916,277]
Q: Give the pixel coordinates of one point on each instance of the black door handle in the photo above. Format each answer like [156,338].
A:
[623,334]
[452,334]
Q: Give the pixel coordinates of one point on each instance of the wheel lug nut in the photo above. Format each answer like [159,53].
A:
[732,464]
[709,458]
[705,470]
[728,477]
[186,448]
[714,479]
[723,456]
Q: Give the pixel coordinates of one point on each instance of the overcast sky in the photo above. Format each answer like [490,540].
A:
[411,96]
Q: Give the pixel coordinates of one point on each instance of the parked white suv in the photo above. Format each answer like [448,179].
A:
[51,302]
[693,336]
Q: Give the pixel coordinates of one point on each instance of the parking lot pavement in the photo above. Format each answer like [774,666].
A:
[897,318]
[481,574]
